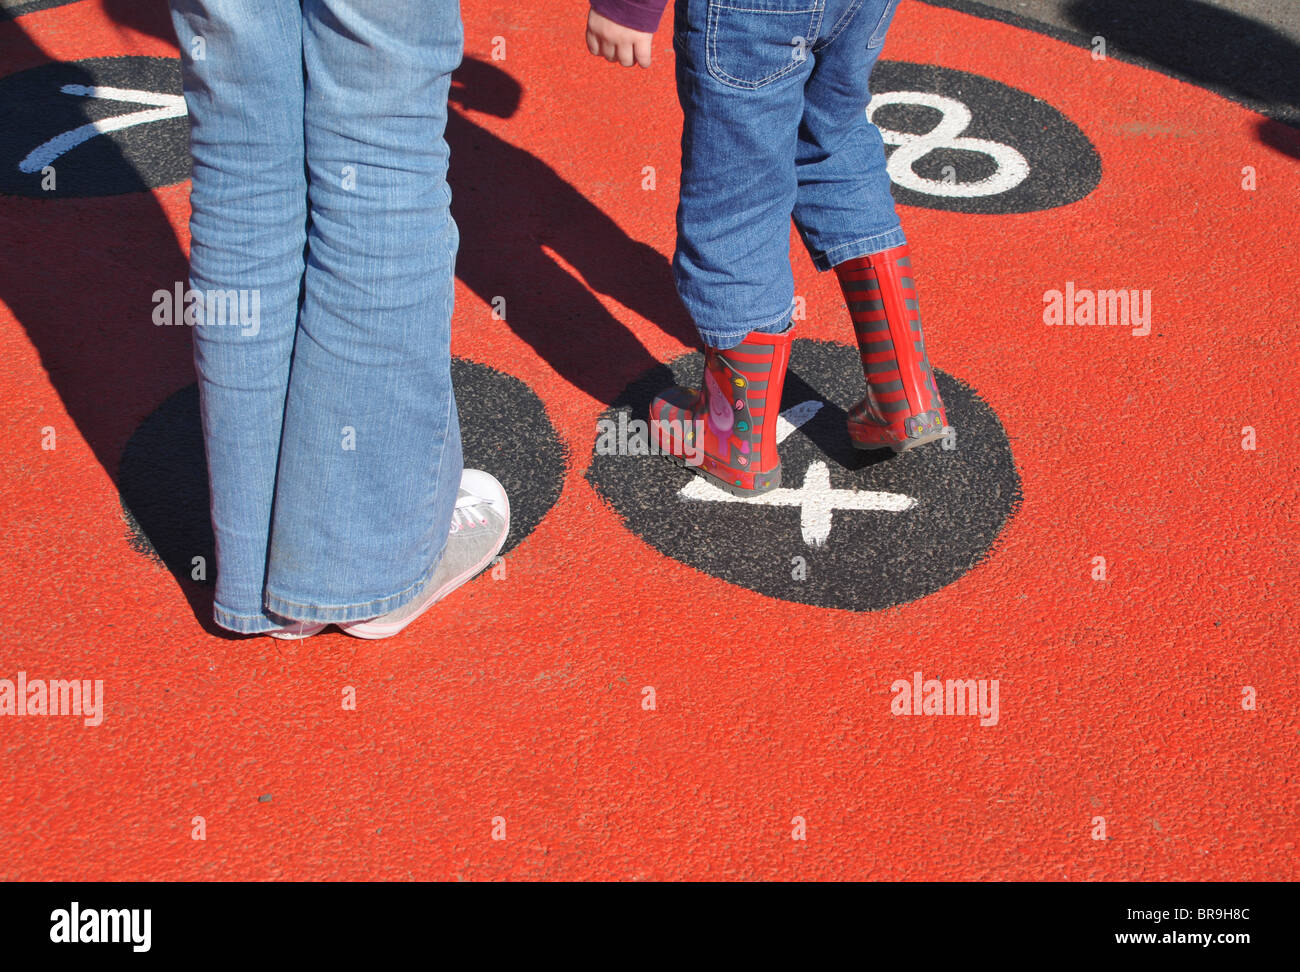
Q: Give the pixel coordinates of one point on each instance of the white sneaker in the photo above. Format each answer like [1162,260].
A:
[479,525]
[298,630]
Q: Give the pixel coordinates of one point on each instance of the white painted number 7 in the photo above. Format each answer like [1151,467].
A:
[168,106]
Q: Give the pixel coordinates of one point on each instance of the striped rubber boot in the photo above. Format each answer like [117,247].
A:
[726,431]
[902,409]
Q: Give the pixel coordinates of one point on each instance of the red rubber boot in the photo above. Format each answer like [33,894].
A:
[726,431]
[902,409]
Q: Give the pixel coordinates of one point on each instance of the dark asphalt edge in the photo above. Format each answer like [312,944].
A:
[1080,39]
[1277,113]
[22,9]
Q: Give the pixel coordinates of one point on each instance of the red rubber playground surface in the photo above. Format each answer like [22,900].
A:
[618,702]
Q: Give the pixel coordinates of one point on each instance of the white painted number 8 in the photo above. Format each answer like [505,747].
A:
[1011,167]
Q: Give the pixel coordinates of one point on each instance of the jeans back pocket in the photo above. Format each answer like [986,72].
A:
[751,43]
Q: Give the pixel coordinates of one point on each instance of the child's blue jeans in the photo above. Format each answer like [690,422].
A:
[775,95]
[320,185]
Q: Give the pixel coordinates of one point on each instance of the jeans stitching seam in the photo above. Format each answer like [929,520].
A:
[877,38]
[711,47]
[839,25]
[371,605]
[241,623]
[826,254]
[757,327]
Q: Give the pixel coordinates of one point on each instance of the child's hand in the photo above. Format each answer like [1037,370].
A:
[614,42]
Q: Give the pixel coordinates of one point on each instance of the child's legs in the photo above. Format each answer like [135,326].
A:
[844,207]
[370,460]
[740,82]
[242,68]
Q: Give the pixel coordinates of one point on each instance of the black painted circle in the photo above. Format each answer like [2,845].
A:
[1064,167]
[20,8]
[870,559]
[163,475]
[34,108]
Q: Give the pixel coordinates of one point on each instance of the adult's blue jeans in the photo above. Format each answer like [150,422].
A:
[774,94]
[320,193]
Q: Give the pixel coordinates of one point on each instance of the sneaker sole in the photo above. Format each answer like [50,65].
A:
[373,632]
[304,632]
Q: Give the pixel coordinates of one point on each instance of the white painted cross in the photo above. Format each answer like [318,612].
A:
[816,499]
[168,106]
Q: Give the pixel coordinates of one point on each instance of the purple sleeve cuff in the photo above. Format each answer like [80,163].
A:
[634,14]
